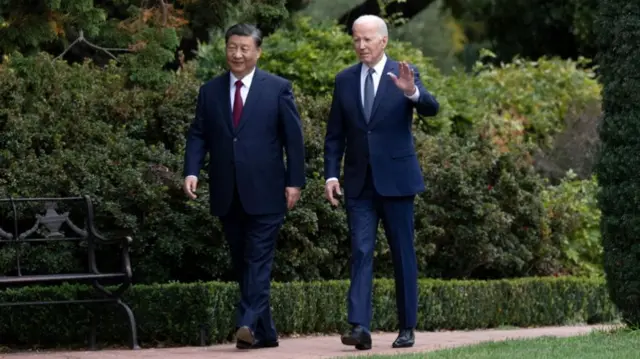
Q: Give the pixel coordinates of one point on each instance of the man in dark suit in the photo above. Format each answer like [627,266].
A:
[244,119]
[370,119]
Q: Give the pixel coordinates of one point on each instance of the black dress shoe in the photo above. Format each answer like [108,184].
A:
[244,337]
[358,337]
[257,344]
[405,339]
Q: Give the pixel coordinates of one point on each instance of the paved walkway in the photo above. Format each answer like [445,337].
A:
[319,346]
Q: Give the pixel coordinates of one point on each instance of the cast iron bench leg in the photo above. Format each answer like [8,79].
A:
[132,325]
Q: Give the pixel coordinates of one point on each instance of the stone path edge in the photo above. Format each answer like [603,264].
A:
[321,346]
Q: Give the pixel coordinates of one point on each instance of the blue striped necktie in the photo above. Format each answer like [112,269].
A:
[368,95]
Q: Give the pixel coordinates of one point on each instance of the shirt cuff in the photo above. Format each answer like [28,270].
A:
[331,179]
[415,96]
[192,176]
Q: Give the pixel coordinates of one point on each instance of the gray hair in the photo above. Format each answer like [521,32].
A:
[382,25]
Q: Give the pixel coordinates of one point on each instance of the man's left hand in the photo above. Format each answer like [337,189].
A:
[405,81]
[293,195]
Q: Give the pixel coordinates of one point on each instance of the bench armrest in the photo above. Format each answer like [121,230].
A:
[124,241]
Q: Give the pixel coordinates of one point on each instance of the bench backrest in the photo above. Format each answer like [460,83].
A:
[28,224]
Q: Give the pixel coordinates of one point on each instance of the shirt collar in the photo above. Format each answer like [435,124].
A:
[246,81]
[379,67]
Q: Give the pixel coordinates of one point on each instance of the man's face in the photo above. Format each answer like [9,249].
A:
[242,54]
[368,43]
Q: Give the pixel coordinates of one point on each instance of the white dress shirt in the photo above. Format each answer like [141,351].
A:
[376,76]
[244,91]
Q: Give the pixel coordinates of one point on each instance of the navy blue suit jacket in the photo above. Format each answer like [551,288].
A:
[250,156]
[385,143]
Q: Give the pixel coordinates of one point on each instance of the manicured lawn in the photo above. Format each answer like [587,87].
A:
[619,344]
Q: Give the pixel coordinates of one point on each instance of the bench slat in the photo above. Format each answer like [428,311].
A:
[57,277]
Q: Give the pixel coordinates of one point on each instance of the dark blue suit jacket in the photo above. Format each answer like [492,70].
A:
[251,155]
[385,143]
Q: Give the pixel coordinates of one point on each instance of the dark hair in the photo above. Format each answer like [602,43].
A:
[244,30]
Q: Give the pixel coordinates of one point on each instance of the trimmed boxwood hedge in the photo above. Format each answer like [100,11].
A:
[195,313]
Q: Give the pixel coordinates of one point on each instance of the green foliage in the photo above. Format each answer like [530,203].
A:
[440,35]
[174,314]
[81,129]
[324,10]
[214,16]
[308,53]
[143,65]
[524,27]
[618,29]
[522,97]
[70,130]
[143,36]
[432,31]
[26,26]
[519,98]
[574,217]
[33,26]
[482,214]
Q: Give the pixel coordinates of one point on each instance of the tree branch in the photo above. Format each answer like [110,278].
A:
[165,12]
[81,38]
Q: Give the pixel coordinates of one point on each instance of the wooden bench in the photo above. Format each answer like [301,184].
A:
[37,222]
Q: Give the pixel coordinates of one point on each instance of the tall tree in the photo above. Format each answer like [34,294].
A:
[618,28]
[528,28]
[125,26]
[402,9]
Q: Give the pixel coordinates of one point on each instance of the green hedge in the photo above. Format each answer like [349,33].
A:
[176,314]
[618,29]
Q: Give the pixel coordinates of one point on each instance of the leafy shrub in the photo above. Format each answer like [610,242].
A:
[515,100]
[481,215]
[69,130]
[522,100]
[310,54]
[574,217]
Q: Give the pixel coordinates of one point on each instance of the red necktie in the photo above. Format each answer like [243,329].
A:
[237,104]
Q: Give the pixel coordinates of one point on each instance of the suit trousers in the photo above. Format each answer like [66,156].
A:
[364,211]
[252,241]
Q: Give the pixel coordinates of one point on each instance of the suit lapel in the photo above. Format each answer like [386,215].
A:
[385,84]
[225,89]
[253,98]
[358,90]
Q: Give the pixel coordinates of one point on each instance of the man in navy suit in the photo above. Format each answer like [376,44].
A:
[244,119]
[370,120]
